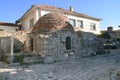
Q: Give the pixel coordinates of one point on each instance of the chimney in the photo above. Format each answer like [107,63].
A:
[71,9]
[110,29]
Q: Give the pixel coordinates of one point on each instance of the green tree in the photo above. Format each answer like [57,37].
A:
[105,35]
[118,38]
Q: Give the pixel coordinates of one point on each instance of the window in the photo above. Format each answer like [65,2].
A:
[80,23]
[72,22]
[68,43]
[31,23]
[93,26]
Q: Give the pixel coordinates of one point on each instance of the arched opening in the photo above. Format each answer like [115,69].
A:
[31,44]
[68,43]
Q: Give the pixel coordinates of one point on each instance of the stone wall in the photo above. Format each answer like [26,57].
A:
[52,47]
[5,44]
[5,41]
[90,44]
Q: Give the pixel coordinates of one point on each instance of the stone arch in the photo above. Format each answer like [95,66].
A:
[68,43]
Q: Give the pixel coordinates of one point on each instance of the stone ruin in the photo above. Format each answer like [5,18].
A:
[5,41]
[54,38]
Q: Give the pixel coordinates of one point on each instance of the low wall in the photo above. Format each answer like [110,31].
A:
[5,41]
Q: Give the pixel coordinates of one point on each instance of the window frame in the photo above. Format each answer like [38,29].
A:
[81,23]
[74,22]
[31,22]
[92,26]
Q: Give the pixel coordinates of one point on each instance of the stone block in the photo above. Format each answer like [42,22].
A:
[49,59]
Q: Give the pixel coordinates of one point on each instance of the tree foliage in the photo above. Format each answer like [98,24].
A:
[105,35]
[118,38]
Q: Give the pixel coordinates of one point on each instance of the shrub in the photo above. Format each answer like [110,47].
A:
[18,58]
[16,49]
[118,38]
[79,33]
[4,58]
[105,35]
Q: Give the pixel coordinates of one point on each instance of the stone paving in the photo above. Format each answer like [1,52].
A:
[100,67]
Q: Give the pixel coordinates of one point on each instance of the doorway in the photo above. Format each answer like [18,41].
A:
[68,43]
[31,44]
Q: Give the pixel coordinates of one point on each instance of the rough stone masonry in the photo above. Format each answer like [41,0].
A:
[54,38]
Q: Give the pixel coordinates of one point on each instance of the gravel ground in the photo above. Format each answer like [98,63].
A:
[100,67]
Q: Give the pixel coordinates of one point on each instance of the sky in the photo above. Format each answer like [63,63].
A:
[107,10]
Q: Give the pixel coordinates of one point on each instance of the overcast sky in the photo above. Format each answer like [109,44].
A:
[107,10]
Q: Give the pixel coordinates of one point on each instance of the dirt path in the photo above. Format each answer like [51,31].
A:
[100,67]
[115,51]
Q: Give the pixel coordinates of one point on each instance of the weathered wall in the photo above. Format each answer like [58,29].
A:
[5,44]
[5,41]
[90,44]
[25,22]
[52,47]
[9,28]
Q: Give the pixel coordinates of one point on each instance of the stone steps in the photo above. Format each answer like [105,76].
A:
[33,60]
[28,58]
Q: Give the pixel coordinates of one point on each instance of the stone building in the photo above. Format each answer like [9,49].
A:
[8,27]
[54,38]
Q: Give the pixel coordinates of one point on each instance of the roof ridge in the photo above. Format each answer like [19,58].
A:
[62,10]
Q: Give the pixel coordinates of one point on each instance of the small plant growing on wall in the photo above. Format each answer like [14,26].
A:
[79,33]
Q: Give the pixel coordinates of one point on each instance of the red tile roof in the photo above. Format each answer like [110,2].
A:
[8,24]
[57,9]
